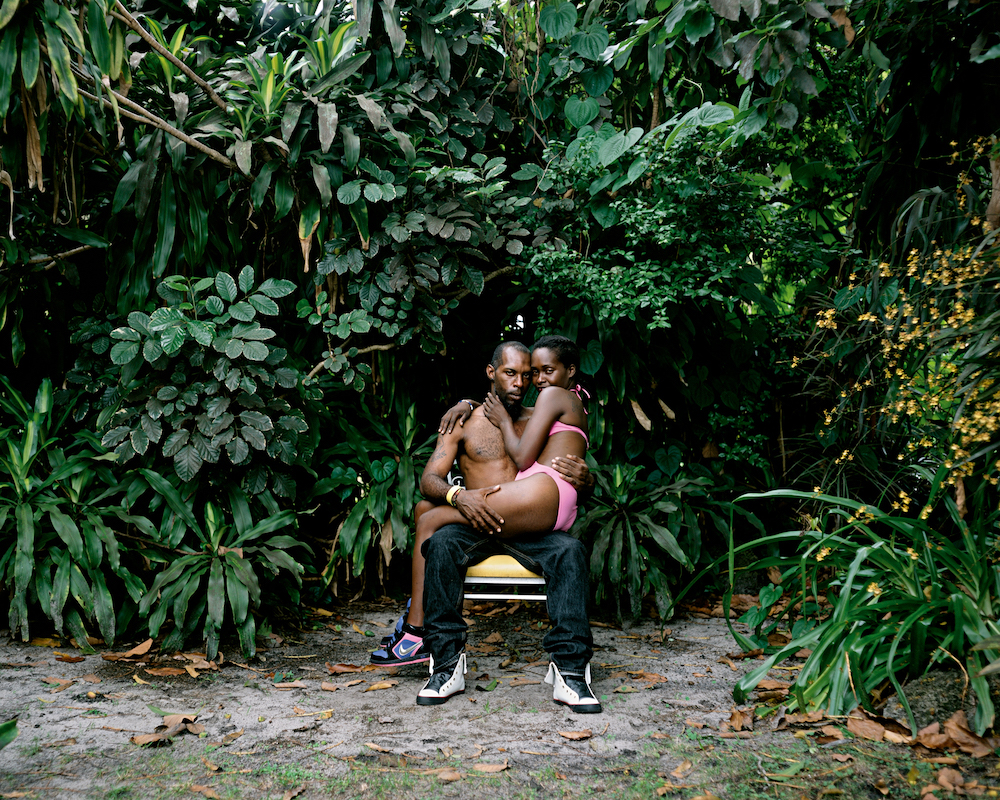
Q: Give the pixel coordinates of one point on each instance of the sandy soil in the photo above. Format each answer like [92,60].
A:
[76,737]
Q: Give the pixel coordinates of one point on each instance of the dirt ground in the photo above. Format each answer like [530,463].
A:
[299,720]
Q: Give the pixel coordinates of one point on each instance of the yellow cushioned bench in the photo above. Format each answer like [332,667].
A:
[502,571]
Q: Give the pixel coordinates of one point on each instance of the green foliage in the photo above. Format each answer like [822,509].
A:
[377,471]
[8,732]
[640,528]
[213,567]
[57,508]
[906,593]
[199,382]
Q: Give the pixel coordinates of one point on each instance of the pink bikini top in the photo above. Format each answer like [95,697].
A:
[559,427]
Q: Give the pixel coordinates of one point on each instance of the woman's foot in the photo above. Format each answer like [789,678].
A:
[405,647]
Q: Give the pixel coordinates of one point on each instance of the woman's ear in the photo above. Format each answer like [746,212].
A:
[571,372]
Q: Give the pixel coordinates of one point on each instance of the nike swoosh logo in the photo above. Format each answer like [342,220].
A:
[404,651]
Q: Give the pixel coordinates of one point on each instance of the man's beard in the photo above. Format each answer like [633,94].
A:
[513,405]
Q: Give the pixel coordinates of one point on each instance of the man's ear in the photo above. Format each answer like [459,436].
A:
[490,372]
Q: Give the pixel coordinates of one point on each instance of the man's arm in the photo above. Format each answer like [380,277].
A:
[471,503]
[574,470]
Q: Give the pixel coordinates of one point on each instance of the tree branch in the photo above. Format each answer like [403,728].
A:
[150,118]
[66,254]
[119,12]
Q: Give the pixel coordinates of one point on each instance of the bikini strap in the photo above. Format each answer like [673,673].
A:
[580,392]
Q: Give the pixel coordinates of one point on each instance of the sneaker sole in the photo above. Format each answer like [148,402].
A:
[398,663]
[587,709]
[437,701]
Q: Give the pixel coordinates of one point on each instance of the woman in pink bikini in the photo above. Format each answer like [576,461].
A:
[556,428]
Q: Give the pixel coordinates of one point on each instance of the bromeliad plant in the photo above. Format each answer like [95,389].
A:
[214,567]
[380,469]
[907,594]
[640,525]
[58,501]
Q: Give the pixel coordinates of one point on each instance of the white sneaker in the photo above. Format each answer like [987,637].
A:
[443,684]
[573,689]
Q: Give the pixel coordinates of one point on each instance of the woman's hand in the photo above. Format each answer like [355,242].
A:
[456,415]
[495,411]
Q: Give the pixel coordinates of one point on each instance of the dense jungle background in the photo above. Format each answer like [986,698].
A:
[252,251]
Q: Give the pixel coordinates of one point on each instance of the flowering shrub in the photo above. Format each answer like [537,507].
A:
[906,594]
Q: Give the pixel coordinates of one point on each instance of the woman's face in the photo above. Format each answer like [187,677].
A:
[548,370]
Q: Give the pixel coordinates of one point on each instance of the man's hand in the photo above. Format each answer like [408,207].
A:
[473,506]
[574,470]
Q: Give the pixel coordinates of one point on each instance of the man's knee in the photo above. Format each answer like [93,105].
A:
[569,549]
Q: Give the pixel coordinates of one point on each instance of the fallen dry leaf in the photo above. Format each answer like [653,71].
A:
[728,662]
[736,735]
[376,748]
[659,735]
[70,659]
[494,638]
[881,787]
[832,731]
[139,650]
[682,769]
[206,791]
[490,767]
[178,719]
[769,685]
[164,672]
[292,793]
[577,736]
[381,685]
[522,682]
[91,678]
[694,723]
[44,641]
[139,680]
[355,682]
[449,775]
[896,738]
[291,685]
[625,689]
[229,738]
[329,687]
[740,720]
[210,765]
[866,729]
[843,758]
[337,669]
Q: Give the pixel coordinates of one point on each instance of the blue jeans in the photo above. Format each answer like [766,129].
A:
[558,556]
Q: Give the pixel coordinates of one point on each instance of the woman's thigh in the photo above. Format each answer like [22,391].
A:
[527,506]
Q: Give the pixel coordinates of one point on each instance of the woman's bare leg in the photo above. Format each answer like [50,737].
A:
[415,616]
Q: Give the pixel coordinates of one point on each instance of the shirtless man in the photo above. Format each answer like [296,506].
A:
[479,447]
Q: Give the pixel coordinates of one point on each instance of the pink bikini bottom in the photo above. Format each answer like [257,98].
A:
[566,515]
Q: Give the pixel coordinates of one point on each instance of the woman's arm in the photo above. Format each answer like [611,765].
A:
[457,414]
[524,450]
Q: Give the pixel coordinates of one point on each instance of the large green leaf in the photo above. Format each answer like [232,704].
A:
[100,36]
[8,732]
[581,110]
[558,19]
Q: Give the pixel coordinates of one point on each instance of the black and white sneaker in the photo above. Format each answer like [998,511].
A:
[572,689]
[443,684]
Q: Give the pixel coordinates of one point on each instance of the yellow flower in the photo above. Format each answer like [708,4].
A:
[873,588]
[823,553]
[912,553]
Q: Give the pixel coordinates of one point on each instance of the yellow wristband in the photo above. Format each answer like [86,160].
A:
[450,497]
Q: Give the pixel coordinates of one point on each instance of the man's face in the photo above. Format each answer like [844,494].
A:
[511,379]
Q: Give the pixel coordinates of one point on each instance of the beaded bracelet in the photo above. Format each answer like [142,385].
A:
[452,493]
